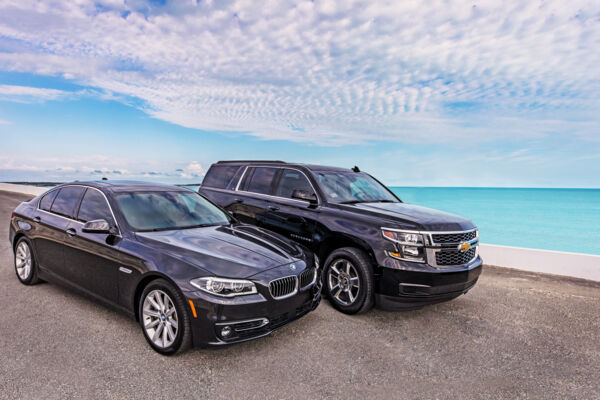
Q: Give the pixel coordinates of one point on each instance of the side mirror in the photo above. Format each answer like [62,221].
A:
[98,226]
[299,194]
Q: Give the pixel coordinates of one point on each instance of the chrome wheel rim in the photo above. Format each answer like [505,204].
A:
[343,281]
[23,260]
[160,318]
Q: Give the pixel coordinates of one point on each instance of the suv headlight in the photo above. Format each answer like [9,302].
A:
[224,287]
[410,245]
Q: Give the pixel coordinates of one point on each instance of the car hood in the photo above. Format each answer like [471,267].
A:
[426,218]
[226,251]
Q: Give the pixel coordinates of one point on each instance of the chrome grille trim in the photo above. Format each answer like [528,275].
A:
[283,288]
[307,277]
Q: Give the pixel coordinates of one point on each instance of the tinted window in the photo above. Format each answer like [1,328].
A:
[47,200]
[94,206]
[292,180]
[220,176]
[261,180]
[155,211]
[67,200]
[350,187]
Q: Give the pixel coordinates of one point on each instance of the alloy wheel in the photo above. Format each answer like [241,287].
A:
[23,260]
[160,318]
[343,281]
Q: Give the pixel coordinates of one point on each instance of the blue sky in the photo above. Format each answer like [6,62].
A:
[422,93]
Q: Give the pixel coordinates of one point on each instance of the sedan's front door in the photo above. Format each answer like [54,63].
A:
[93,258]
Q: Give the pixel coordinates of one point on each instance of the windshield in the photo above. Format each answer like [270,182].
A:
[350,187]
[157,211]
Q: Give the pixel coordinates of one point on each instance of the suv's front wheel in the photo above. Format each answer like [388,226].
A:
[348,280]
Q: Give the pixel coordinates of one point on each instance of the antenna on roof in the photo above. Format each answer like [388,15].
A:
[104,178]
[356,169]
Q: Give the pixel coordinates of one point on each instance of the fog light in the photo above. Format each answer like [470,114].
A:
[226,331]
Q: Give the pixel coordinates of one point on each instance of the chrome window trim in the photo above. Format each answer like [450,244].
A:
[237,188]
[74,220]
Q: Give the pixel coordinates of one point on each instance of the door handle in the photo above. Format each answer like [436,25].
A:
[273,208]
[37,219]
[238,201]
[71,232]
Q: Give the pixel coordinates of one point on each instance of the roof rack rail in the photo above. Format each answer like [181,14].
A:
[252,161]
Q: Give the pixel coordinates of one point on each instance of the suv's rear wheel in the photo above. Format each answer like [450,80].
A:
[348,280]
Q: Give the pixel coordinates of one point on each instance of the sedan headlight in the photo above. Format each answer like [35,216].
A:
[409,245]
[224,287]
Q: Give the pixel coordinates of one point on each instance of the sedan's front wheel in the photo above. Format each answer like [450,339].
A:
[163,317]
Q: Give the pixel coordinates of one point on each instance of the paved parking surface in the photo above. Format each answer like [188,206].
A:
[515,335]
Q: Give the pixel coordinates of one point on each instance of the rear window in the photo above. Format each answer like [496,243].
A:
[66,200]
[220,176]
[47,200]
[262,180]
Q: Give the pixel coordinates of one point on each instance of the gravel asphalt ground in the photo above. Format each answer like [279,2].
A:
[515,335]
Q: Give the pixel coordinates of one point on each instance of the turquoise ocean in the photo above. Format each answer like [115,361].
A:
[550,219]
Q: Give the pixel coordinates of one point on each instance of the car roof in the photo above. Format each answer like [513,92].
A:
[312,167]
[127,186]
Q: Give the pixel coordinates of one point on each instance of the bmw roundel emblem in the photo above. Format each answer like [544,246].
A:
[293,267]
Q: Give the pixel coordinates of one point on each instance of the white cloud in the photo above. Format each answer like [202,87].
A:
[96,166]
[3,122]
[28,94]
[342,72]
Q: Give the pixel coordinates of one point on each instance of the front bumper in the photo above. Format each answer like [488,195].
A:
[412,289]
[248,317]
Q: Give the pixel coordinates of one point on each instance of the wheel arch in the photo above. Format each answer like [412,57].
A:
[145,281]
[337,241]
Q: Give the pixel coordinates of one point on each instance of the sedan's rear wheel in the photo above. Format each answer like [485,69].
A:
[164,319]
[25,265]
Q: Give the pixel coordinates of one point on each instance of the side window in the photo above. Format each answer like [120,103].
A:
[66,201]
[261,180]
[290,181]
[47,200]
[220,176]
[94,206]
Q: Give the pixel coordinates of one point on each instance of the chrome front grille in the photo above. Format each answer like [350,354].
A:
[455,257]
[283,287]
[455,237]
[307,277]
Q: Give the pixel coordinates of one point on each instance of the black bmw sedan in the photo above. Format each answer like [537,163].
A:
[183,267]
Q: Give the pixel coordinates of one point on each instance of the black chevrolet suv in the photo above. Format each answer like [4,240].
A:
[375,248]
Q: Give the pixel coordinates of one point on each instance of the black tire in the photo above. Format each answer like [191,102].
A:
[360,261]
[31,277]
[183,335]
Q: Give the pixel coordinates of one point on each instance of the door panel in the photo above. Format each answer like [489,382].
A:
[92,260]
[293,219]
[49,241]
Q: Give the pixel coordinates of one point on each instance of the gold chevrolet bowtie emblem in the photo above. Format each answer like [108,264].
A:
[464,247]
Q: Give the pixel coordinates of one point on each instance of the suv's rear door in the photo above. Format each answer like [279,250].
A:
[253,193]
